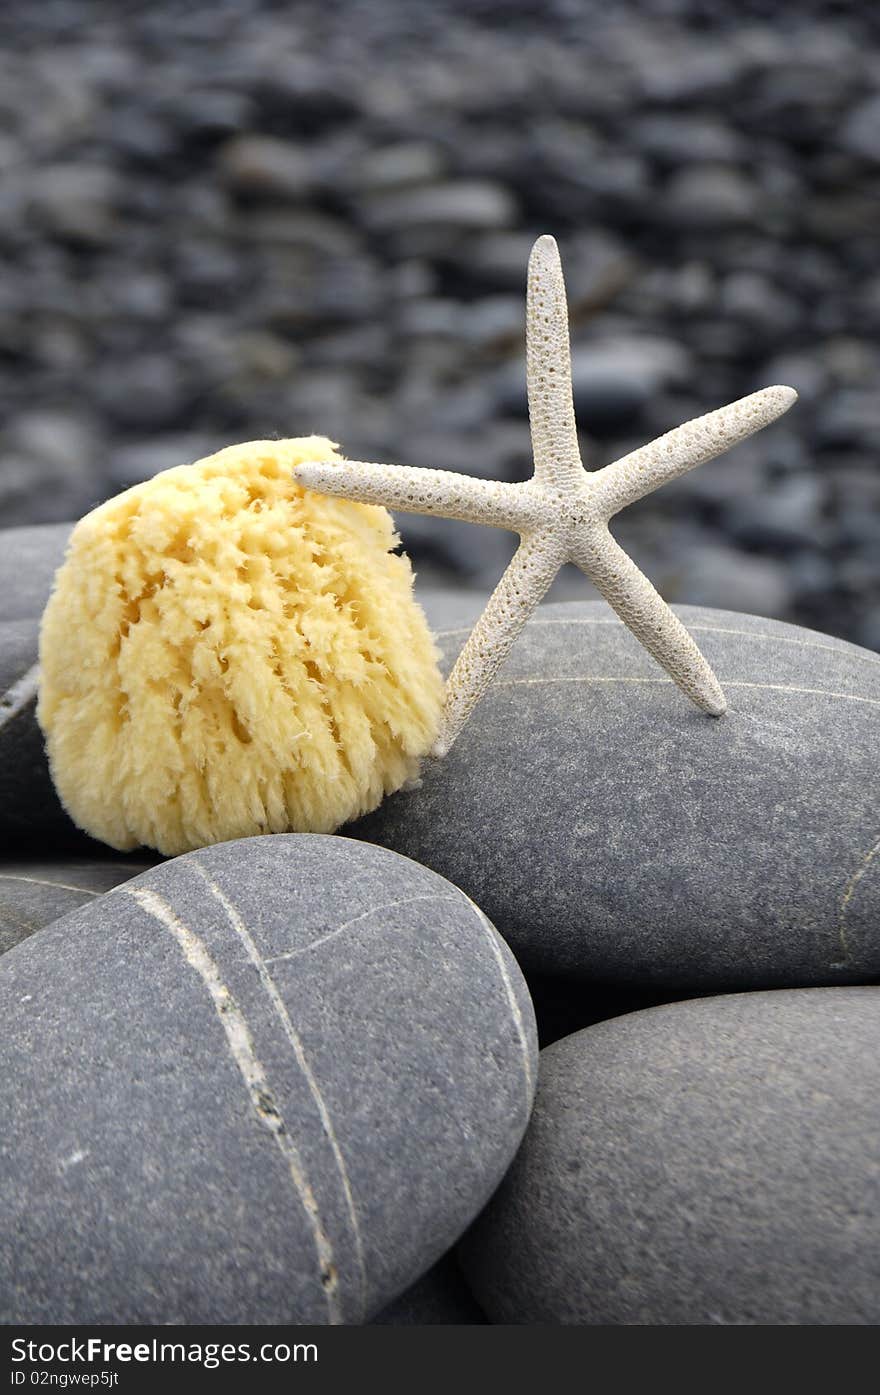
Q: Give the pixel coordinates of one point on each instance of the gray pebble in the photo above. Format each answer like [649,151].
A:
[270,1081]
[715,575]
[711,196]
[861,130]
[266,166]
[470,204]
[711,1162]
[613,832]
[34,894]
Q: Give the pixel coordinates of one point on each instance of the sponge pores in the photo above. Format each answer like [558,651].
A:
[226,654]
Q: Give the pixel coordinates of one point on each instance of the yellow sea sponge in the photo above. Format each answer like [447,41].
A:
[226,654]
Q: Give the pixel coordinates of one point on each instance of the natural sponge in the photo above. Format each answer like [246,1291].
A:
[226,654]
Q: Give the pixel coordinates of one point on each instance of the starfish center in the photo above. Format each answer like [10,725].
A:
[577,511]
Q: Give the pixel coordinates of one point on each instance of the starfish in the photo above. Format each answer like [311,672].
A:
[562,513]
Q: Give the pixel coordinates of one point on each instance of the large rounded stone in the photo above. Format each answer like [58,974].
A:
[33,894]
[271,1081]
[716,1161]
[613,831]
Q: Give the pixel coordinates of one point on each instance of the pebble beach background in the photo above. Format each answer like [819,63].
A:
[223,221]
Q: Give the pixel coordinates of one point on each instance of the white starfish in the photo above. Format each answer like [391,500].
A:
[562,512]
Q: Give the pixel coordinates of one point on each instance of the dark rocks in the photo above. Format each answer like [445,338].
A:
[710,197]
[718,576]
[75,201]
[267,167]
[165,207]
[710,1162]
[50,468]
[33,894]
[440,1298]
[271,1081]
[29,807]
[614,380]
[29,559]
[398,165]
[678,139]
[468,204]
[612,832]
[861,130]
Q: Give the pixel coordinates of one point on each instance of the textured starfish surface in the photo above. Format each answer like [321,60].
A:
[562,512]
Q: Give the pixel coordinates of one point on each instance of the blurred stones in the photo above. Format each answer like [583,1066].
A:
[50,467]
[613,380]
[142,392]
[222,232]
[680,139]
[29,559]
[711,196]
[468,204]
[394,166]
[440,1298]
[129,465]
[786,516]
[265,167]
[75,201]
[715,575]
[861,130]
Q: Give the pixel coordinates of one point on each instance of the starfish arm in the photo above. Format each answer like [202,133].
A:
[629,592]
[521,588]
[411,489]
[548,369]
[692,444]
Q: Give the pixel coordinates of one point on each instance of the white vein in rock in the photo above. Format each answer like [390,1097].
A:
[16,698]
[515,1010]
[241,1048]
[364,915]
[280,1008]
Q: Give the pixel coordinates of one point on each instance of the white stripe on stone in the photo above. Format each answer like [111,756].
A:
[241,1047]
[515,1010]
[293,1037]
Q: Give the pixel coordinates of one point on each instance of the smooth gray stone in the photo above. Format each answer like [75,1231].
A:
[716,1161]
[439,1298]
[34,894]
[275,1088]
[613,831]
[29,559]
